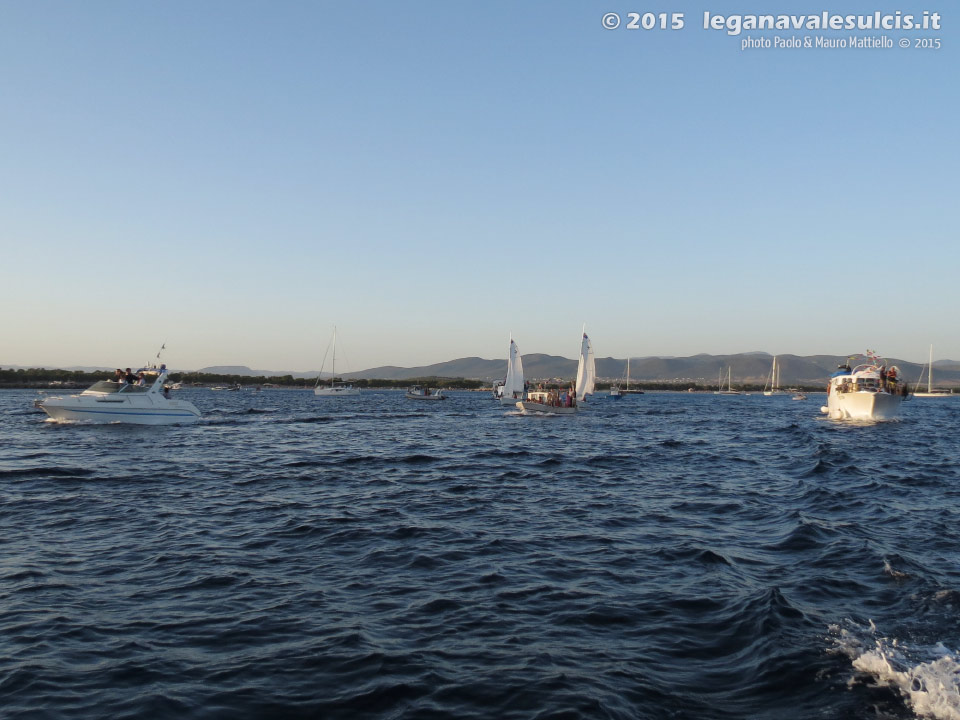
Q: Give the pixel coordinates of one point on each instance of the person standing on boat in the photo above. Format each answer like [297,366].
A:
[118,376]
[129,377]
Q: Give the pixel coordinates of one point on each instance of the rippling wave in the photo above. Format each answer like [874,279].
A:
[664,556]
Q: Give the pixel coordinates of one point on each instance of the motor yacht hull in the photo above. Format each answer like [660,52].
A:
[862,406]
[141,410]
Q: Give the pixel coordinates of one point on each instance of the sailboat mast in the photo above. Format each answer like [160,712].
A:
[628,374]
[334,355]
[930,372]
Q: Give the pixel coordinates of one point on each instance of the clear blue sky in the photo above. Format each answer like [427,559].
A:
[234,178]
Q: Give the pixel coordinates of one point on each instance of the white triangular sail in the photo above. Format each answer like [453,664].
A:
[513,385]
[586,370]
[773,381]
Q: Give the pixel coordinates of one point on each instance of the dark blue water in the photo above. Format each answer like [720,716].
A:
[665,556]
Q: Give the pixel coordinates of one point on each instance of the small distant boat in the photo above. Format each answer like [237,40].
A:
[799,396]
[870,391]
[618,391]
[109,401]
[729,390]
[566,402]
[615,391]
[334,389]
[511,390]
[773,381]
[418,392]
[229,388]
[931,392]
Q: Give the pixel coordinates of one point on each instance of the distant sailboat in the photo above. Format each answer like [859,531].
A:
[511,391]
[773,382]
[335,389]
[586,369]
[729,390]
[617,392]
[930,391]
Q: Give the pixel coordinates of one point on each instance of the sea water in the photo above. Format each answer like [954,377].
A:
[668,555]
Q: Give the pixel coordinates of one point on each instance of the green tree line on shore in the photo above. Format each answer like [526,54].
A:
[44,377]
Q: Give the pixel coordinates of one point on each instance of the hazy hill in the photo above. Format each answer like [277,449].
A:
[744,367]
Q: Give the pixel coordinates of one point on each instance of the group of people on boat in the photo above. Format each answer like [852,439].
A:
[888,380]
[556,398]
[126,378]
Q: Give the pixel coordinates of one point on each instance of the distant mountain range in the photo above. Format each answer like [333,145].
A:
[753,367]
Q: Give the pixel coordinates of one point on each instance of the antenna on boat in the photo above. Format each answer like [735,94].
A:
[162,348]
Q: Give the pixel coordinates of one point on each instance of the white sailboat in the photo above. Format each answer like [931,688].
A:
[930,391]
[566,402]
[773,382]
[729,390]
[511,390]
[586,369]
[335,389]
[617,391]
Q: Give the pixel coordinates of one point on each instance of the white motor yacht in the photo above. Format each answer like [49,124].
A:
[867,392]
[418,392]
[108,401]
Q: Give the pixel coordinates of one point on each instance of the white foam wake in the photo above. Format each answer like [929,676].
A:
[928,677]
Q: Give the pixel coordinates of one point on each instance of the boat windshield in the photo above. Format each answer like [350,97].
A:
[104,386]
